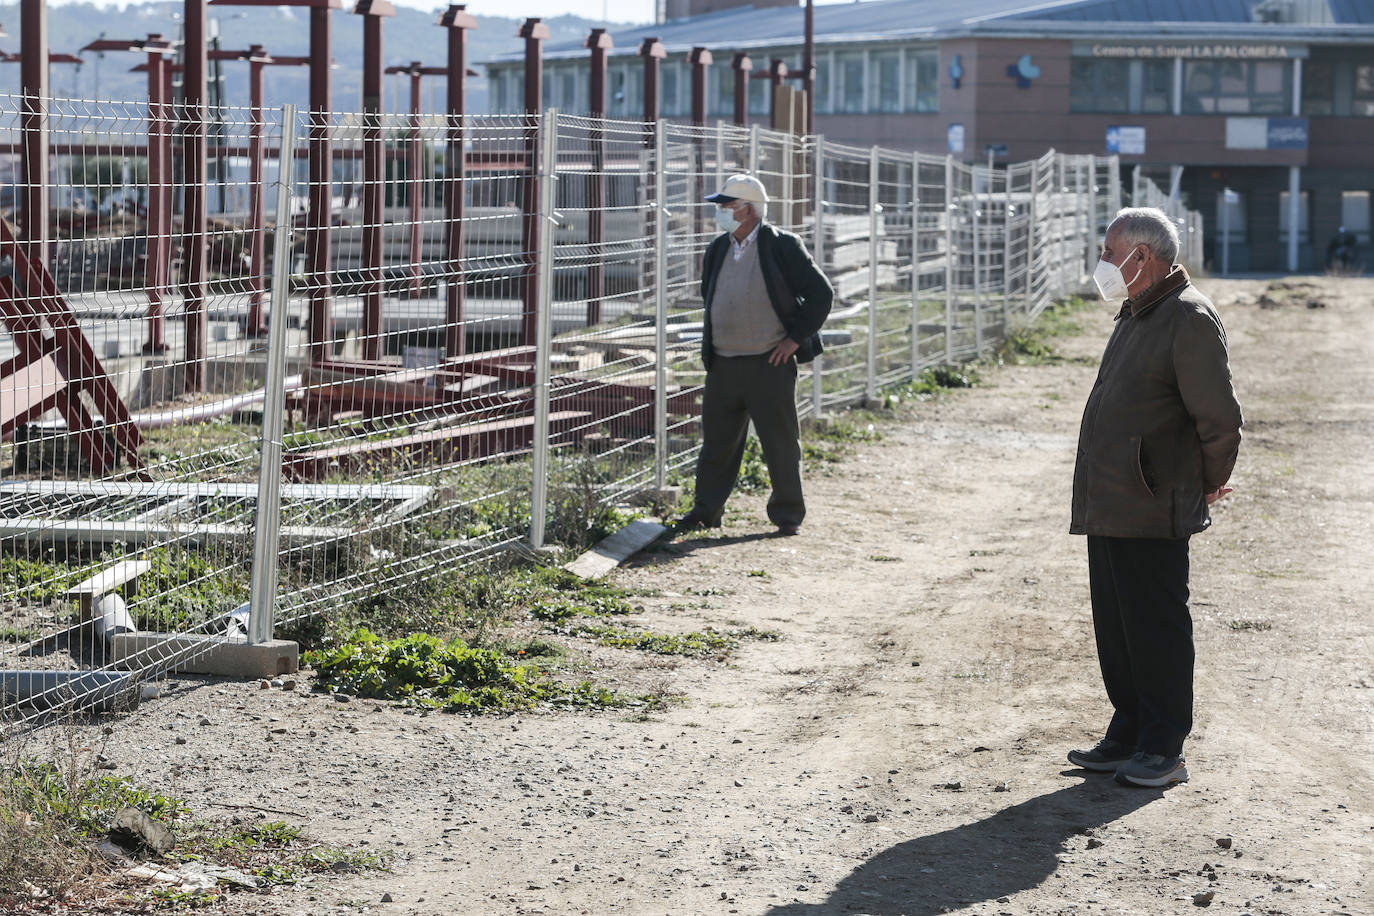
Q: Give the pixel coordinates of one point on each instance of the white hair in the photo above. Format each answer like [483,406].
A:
[760,209]
[1148,226]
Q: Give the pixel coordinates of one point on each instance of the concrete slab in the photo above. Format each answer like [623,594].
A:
[206,654]
[615,549]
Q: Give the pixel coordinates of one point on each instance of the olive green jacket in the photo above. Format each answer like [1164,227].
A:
[1161,428]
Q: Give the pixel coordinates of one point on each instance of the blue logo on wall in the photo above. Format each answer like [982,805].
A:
[956,71]
[1024,71]
[1286,133]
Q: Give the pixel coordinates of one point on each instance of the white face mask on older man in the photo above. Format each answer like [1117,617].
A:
[1112,284]
[725,219]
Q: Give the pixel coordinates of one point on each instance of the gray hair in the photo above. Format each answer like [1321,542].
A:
[1148,226]
[760,209]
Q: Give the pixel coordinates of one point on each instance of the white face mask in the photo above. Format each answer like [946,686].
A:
[725,219]
[1112,285]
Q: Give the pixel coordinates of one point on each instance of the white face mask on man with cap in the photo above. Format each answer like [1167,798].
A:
[736,188]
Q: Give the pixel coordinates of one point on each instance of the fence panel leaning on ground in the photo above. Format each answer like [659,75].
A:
[476,352]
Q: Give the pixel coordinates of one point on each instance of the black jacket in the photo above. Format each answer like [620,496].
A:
[1162,426]
[799,292]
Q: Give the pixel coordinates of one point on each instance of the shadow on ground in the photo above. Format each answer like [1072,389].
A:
[675,544]
[1011,851]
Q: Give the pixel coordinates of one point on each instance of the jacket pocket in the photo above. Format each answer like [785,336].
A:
[1142,465]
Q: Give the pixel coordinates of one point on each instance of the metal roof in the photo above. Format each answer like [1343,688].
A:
[746,28]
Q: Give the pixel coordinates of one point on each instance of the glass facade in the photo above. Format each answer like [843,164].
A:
[1234,87]
[885,81]
[1112,86]
[1303,225]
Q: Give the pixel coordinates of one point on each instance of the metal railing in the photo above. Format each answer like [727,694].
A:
[481,355]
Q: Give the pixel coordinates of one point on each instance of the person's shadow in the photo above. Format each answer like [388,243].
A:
[1000,855]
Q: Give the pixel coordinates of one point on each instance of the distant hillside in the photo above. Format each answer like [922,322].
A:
[411,35]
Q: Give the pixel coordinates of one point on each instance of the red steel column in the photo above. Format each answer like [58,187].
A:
[741,65]
[455,172]
[414,184]
[321,156]
[700,59]
[534,32]
[194,216]
[159,220]
[599,41]
[777,72]
[257,203]
[651,49]
[374,176]
[33,166]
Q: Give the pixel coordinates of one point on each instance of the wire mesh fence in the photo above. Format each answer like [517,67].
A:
[368,347]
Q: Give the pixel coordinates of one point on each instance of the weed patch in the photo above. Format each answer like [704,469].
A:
[427,672]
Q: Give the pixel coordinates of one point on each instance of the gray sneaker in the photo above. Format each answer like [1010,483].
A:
[1103,757]
[1152,771]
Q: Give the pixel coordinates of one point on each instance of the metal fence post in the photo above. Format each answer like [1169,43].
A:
[949,259]
[660,310]
[1089,246]
[1030,236]
[871,388]
[1006,246]
[753,149]
[539,489]
[915,264]
[788,192]
[263,594]
[720,154]
[817,372]
[977,259]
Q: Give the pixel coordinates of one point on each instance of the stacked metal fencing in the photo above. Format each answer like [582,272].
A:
[476,354]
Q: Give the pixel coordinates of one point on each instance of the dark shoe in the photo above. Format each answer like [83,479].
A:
[1106,756]
[692,522]
[788,531]
[1152,771]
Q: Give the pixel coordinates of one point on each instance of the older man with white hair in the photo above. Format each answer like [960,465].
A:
[1160,436]
[765,301]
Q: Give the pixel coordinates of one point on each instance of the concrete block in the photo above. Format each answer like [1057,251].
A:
[615,549]
[208,654]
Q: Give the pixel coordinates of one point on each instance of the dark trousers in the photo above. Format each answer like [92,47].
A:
[740,389]
[1144,639]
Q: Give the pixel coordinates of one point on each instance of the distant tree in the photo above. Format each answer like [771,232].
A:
[101,176]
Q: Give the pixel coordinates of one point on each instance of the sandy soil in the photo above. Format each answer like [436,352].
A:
[901,749]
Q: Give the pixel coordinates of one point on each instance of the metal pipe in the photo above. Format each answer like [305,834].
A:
[651,50]
[159,220]
[257,201]
[266,533]
[871,359]
[817,373]
[660,312]
[100,691]
[809,67]
[949,259]
[915,264]
[539,463]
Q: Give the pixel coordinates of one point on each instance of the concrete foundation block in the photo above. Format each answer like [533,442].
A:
[208,655]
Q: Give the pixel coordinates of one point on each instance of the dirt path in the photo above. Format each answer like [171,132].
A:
[900,750]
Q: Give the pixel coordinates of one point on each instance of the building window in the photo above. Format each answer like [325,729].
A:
[670,85]
[548,98]
[1235,213]
[849,85]
[1362,103]
[1236,87]
[759,92]
[923,80]
[569,99]
[822,84]
[1099,85]
[1318,88]
[1157,87]
[1355,214]
[1302,219]
[885,81]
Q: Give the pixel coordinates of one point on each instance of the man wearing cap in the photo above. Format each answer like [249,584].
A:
[765,301]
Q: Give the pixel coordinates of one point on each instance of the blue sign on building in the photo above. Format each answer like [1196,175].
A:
[1286,133]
